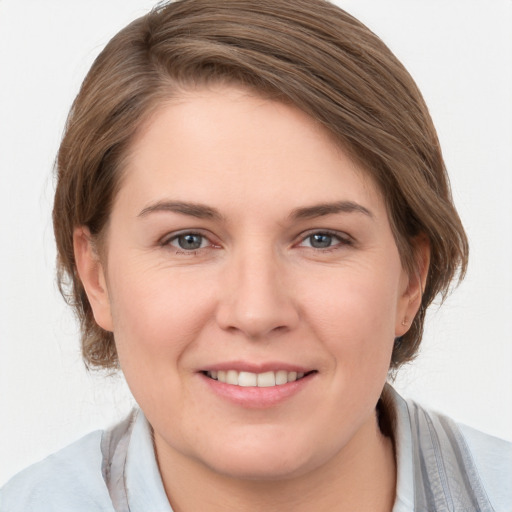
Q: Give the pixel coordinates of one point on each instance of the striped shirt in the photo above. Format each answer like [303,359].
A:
[441,467]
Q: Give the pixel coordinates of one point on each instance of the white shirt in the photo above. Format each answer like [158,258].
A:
[441,466]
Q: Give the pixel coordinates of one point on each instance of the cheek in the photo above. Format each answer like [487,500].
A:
[353,313]
[360,301]
[157,318]
[156,312]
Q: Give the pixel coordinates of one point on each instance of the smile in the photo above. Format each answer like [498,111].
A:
[260,380]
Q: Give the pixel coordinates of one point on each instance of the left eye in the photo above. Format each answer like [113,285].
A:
[322,240]
[189,241]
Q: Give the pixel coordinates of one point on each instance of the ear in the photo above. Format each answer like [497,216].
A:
[412,292]
[92,275]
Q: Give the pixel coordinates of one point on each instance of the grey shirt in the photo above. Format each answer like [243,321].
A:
[441,466]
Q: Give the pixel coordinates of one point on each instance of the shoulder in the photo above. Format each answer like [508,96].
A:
[70,479]
[493,461]
[62,481]
[454,467]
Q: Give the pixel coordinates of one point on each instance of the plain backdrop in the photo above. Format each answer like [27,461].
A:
[459,52]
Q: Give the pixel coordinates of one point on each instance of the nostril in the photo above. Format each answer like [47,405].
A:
[255,303]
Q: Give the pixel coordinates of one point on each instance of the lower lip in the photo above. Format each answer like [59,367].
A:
[254,397]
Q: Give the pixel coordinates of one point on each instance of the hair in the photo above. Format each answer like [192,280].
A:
[308,53]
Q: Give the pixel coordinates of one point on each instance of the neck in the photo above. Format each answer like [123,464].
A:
[362,477]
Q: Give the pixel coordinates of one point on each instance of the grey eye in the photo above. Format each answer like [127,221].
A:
[190,241]
[320,240]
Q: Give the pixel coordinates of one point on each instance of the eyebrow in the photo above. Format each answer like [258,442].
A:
[207,212]
[318,210]
[193,209]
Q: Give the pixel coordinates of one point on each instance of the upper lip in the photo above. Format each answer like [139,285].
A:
[270,366]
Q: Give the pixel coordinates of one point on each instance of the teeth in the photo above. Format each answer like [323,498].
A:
[247,379]
[281,377]
[266,380]
[261,380]
[232,377]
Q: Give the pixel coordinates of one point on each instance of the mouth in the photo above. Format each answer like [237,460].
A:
[260,380]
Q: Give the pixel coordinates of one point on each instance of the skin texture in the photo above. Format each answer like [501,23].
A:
[256,292]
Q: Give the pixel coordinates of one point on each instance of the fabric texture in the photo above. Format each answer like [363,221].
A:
[441,467]
[446,467]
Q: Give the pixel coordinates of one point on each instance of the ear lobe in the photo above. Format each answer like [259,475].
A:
[92,275]
[413,293]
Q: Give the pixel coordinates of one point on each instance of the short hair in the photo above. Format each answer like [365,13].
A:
[307,53]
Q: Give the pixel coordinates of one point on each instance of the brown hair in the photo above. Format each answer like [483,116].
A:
[309,53]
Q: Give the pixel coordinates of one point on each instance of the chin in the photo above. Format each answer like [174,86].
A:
[259,469]
[271,461]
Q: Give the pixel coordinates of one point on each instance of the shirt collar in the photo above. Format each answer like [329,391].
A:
[404,501]
[145,490]
[144,487]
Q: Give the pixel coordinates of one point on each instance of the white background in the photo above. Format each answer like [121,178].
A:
[459,52]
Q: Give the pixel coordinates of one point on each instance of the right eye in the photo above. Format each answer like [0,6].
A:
[189,241]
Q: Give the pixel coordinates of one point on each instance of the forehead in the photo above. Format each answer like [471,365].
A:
[221,143]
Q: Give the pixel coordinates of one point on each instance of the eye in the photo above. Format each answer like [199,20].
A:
[189,241]
[324,240]
[320,240]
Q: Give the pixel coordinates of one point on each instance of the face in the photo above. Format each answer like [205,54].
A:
[253,285]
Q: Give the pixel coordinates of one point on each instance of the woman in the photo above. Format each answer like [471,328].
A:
[254,215]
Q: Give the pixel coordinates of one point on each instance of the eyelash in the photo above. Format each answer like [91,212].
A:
[342,238]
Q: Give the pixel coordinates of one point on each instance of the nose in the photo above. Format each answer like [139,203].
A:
[257,296]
